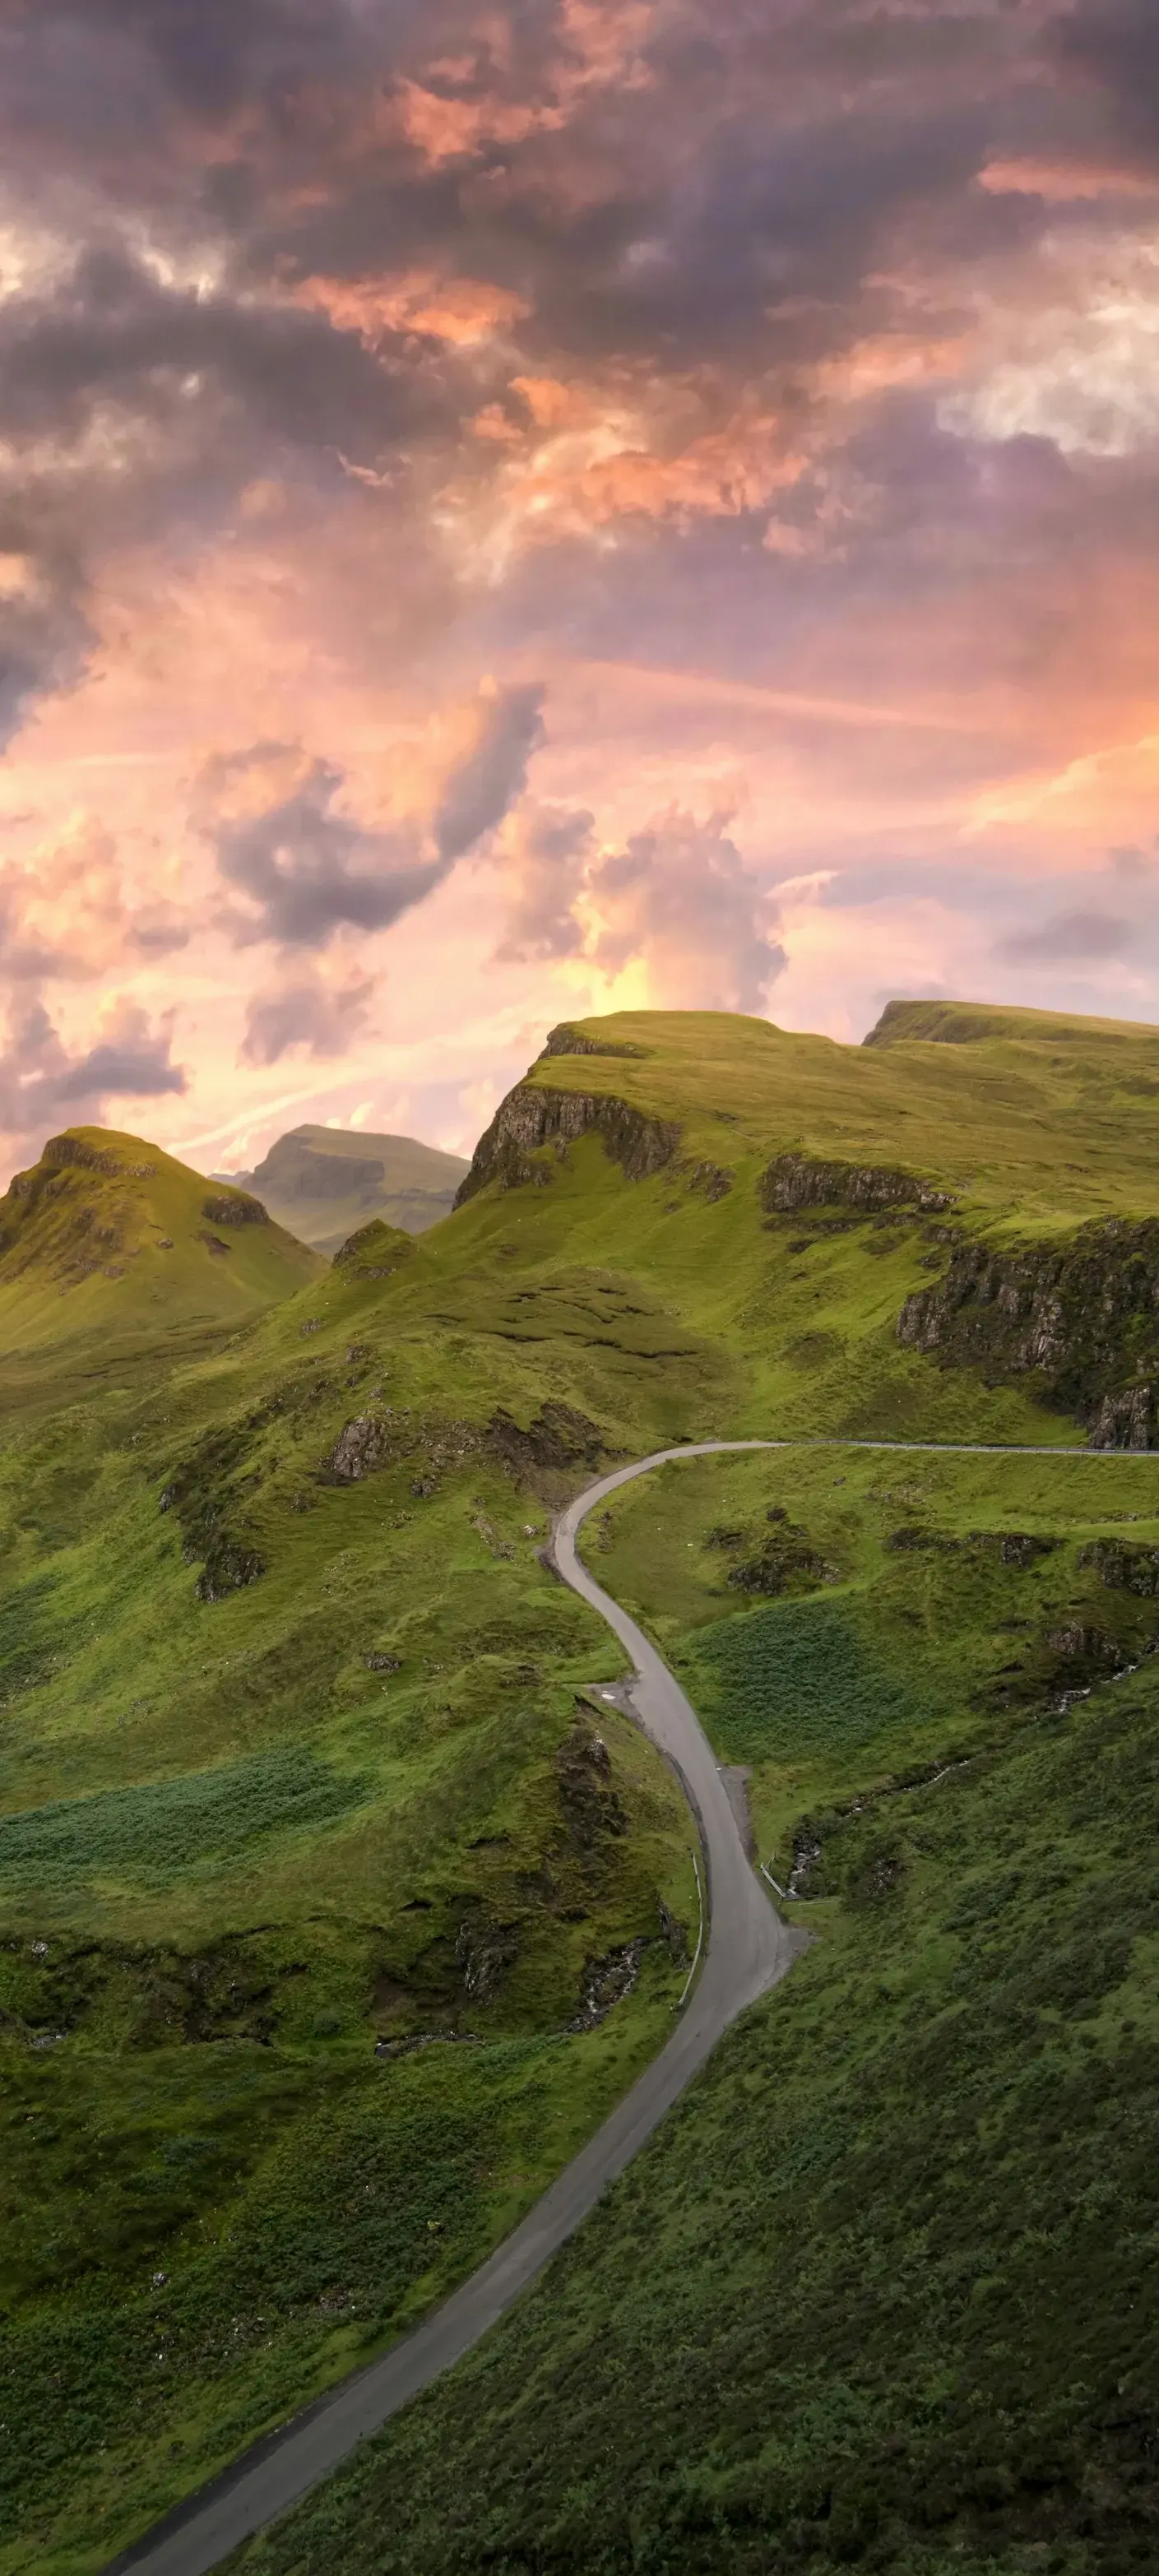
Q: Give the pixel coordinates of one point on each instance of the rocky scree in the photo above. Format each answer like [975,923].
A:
[1082,1316]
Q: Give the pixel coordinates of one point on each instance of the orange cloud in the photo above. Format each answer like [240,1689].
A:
[460,310]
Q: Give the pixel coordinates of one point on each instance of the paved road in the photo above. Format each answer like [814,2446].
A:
[748,1949]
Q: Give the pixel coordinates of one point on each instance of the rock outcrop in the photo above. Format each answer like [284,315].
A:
[565,1040]
[234,1207]
[532,1117]
[1124,1565]
[556,1436]
[785,1561]
[375,1251]
[794,1181]
[92,1158]
[1082,1316]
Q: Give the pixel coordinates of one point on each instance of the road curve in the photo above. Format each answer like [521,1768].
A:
[748,1949]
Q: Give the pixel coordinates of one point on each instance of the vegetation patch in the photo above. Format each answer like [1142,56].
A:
[791,1679]
[163,1828]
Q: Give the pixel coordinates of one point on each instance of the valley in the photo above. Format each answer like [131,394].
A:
[303,1774]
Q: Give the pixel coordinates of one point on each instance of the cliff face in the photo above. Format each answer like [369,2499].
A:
[568,1041]
[807,1180]
[1084,1315]
[530,1118]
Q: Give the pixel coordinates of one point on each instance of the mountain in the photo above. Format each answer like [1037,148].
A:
[322,1182]
[300,1776]
[106,1235]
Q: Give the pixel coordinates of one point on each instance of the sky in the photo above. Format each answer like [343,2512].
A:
[508,512]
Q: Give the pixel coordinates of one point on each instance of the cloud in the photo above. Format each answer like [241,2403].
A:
[545,850]
[492,773]
[305,869]
[1084,936]
[676,899]
[68,912]
[1115,45]
[130,1059]
[679,897]
[306,1015]
[45,635]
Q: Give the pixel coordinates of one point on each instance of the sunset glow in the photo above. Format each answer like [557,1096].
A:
[506,514]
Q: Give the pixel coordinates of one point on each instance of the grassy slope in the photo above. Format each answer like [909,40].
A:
[647,1308]
[884,2291]
[306,1182]
[247,1855]
[125,1244]
[1051,1121]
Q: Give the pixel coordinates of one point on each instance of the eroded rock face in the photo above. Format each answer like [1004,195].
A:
[1083,1315]
[531,1118]
[557,1436]
[371,1440]
[590,1806]
[806,1180]
[484,1949]
[92,1158]
[234,1207]
[785,1561]
[568,1041]
[229,1566]
[1124,1565]
[709,1180]
[606,1981]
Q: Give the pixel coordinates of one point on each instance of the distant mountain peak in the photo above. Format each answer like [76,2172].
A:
[326,1183]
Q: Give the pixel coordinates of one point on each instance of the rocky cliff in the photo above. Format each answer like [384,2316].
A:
[566,1040]
[808,1180]
[1083,1316]
[530,1118]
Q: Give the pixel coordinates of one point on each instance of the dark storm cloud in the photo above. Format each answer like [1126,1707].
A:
[1116,48]
[179,360]
[307,869]
[107,62]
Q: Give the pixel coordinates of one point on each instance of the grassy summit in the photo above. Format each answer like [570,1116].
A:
[331,1916]
[106,1235]
[323,1182]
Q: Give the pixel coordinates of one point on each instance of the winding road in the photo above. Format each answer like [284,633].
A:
[748,1950]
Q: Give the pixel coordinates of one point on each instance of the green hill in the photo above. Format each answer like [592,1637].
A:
[299,1779]
[323,1182]
[107,1235]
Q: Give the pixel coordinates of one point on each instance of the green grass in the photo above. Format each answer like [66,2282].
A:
[792,1680]
[884,2290]
[108,1236]
[168,1827]
[192,1980]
